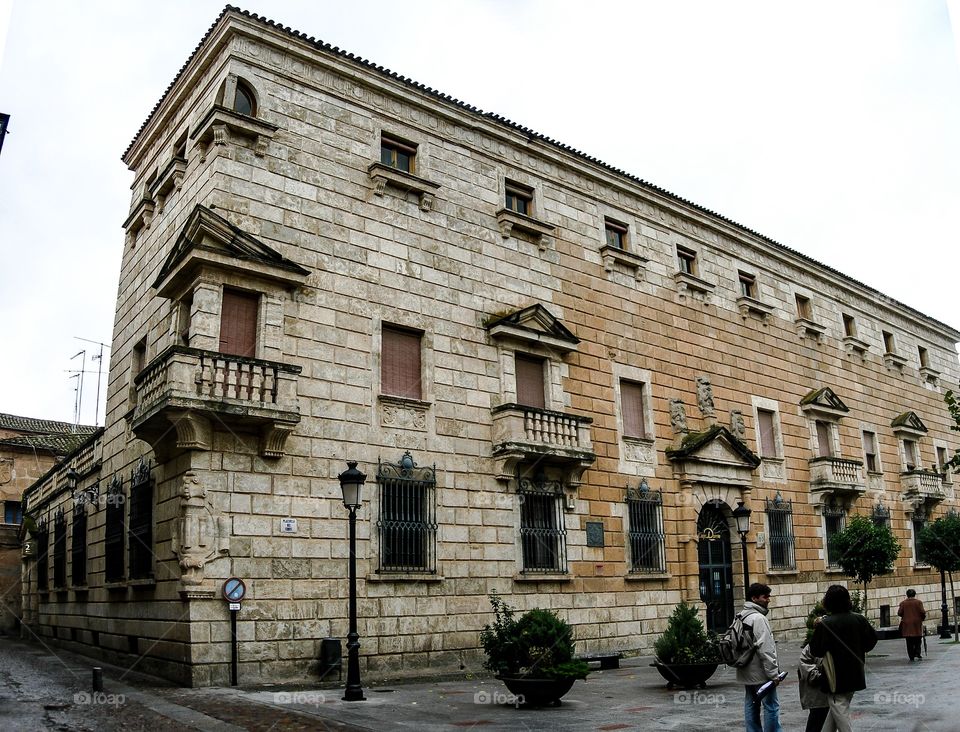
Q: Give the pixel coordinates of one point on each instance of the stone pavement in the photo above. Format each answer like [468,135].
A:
[900,696]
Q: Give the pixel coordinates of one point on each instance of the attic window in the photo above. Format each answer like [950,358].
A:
[244,101]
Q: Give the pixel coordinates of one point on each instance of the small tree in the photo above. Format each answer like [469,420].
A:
[867,550]
[685,640]
[953,404]
[939,544]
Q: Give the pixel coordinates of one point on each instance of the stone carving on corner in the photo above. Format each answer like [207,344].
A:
[678,416]
[200,534]
[6,470]
[737,426]
[705,399]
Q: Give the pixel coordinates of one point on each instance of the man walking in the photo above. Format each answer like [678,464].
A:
[842,638]
[912,614]
[763,666]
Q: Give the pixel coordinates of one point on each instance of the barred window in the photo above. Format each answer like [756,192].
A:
[43,553]
[114,535]
[646,538]
[59,549]
[543,538]
[140,533]
[407,525]
[780,530]
[78,546]
[919,521]
[834,519]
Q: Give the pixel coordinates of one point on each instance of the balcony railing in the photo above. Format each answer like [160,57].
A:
[837,475]
[924,483]
[521,432]
[185,380]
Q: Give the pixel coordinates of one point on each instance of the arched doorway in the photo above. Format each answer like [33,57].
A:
[716,566]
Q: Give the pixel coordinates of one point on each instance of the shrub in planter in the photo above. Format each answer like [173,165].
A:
[537,646]
[686,654]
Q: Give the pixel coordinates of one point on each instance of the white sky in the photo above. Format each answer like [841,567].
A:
[831,126]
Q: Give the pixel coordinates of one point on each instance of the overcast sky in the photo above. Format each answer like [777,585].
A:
[831,126]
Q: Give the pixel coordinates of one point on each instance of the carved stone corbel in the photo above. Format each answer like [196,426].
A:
[194,431]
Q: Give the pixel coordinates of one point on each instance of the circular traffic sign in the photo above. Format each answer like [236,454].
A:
[234,589]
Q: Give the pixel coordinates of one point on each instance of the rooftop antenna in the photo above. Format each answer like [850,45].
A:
[78,404]
[99,359]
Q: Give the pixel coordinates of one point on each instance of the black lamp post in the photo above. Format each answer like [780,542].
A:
[351,481]
[741,515]
[945,628]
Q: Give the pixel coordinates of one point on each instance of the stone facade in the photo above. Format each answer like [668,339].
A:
[667,337]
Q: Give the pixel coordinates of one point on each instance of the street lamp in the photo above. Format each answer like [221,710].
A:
[351,481]
[741,515]
[945,628]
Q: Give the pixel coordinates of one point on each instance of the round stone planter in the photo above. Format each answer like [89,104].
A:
[685,675]
[537,692]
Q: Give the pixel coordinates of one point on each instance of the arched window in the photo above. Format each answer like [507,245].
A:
[244,101]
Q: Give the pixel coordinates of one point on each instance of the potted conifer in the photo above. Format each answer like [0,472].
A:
[686,654]
[532,654]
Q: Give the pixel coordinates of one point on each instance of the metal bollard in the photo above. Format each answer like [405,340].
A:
[97,679]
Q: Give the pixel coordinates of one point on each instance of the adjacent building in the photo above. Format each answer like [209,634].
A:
[560,381]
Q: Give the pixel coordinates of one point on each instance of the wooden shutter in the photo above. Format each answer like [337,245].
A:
[238,323]
[768,442]
[824,441]
[631,406]
[400,363]
[530,391]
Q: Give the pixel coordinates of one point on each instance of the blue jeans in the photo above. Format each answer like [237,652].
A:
[771,710]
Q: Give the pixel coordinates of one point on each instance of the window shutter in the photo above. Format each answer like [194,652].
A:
[768,443]
[238,323]
[823,439]
[530,381]
[400,364]
[631,405]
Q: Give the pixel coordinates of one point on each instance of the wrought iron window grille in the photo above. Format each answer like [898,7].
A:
[59,549]
[782,542]
[140,532]
[114,535]
[78,547]
[407,524]
[834,518]
[645,533]
[543,536]
[42,537]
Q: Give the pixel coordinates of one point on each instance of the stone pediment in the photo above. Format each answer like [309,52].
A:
[210,241]
[909,423]
[824,402]
[715,455]
[534,325]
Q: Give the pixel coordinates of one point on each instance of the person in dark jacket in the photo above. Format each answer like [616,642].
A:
[912,615]
[842,638]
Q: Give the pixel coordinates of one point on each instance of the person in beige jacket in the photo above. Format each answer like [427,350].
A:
[763,666]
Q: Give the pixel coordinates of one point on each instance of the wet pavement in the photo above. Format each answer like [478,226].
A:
[44,689]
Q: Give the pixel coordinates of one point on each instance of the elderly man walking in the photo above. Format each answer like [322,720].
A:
[912,615]
[763,666]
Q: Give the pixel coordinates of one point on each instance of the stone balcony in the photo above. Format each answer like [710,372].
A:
[192,388]
[529,433]
[922,485]
[837,475]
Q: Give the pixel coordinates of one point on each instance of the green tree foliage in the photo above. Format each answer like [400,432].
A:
[954,406]
[685,640]
[538,644]
[867,550]
[939,545]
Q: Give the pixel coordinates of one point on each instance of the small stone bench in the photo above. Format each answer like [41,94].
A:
[606,660]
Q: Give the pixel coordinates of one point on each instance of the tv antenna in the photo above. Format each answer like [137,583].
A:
[98,357]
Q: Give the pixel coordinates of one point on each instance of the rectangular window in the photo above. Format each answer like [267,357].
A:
[768,438]
[687,260]
[849,326]
[910,458]
[616,234]
[632,408]
[60,550]
[43,555]
[530,383]
[238,323]
[942,459]
[542,534]
[833,522]
[114,541]
[889,345]
[824,439]
[870,452]
[804,308]
[924,357]
[400,366]
[780,525]
[519,198]
[918,526]
[397,153]
[140,533]
[646,537]
[12,512]
[78,546]
[748,284]
[407,524]
[180,146]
